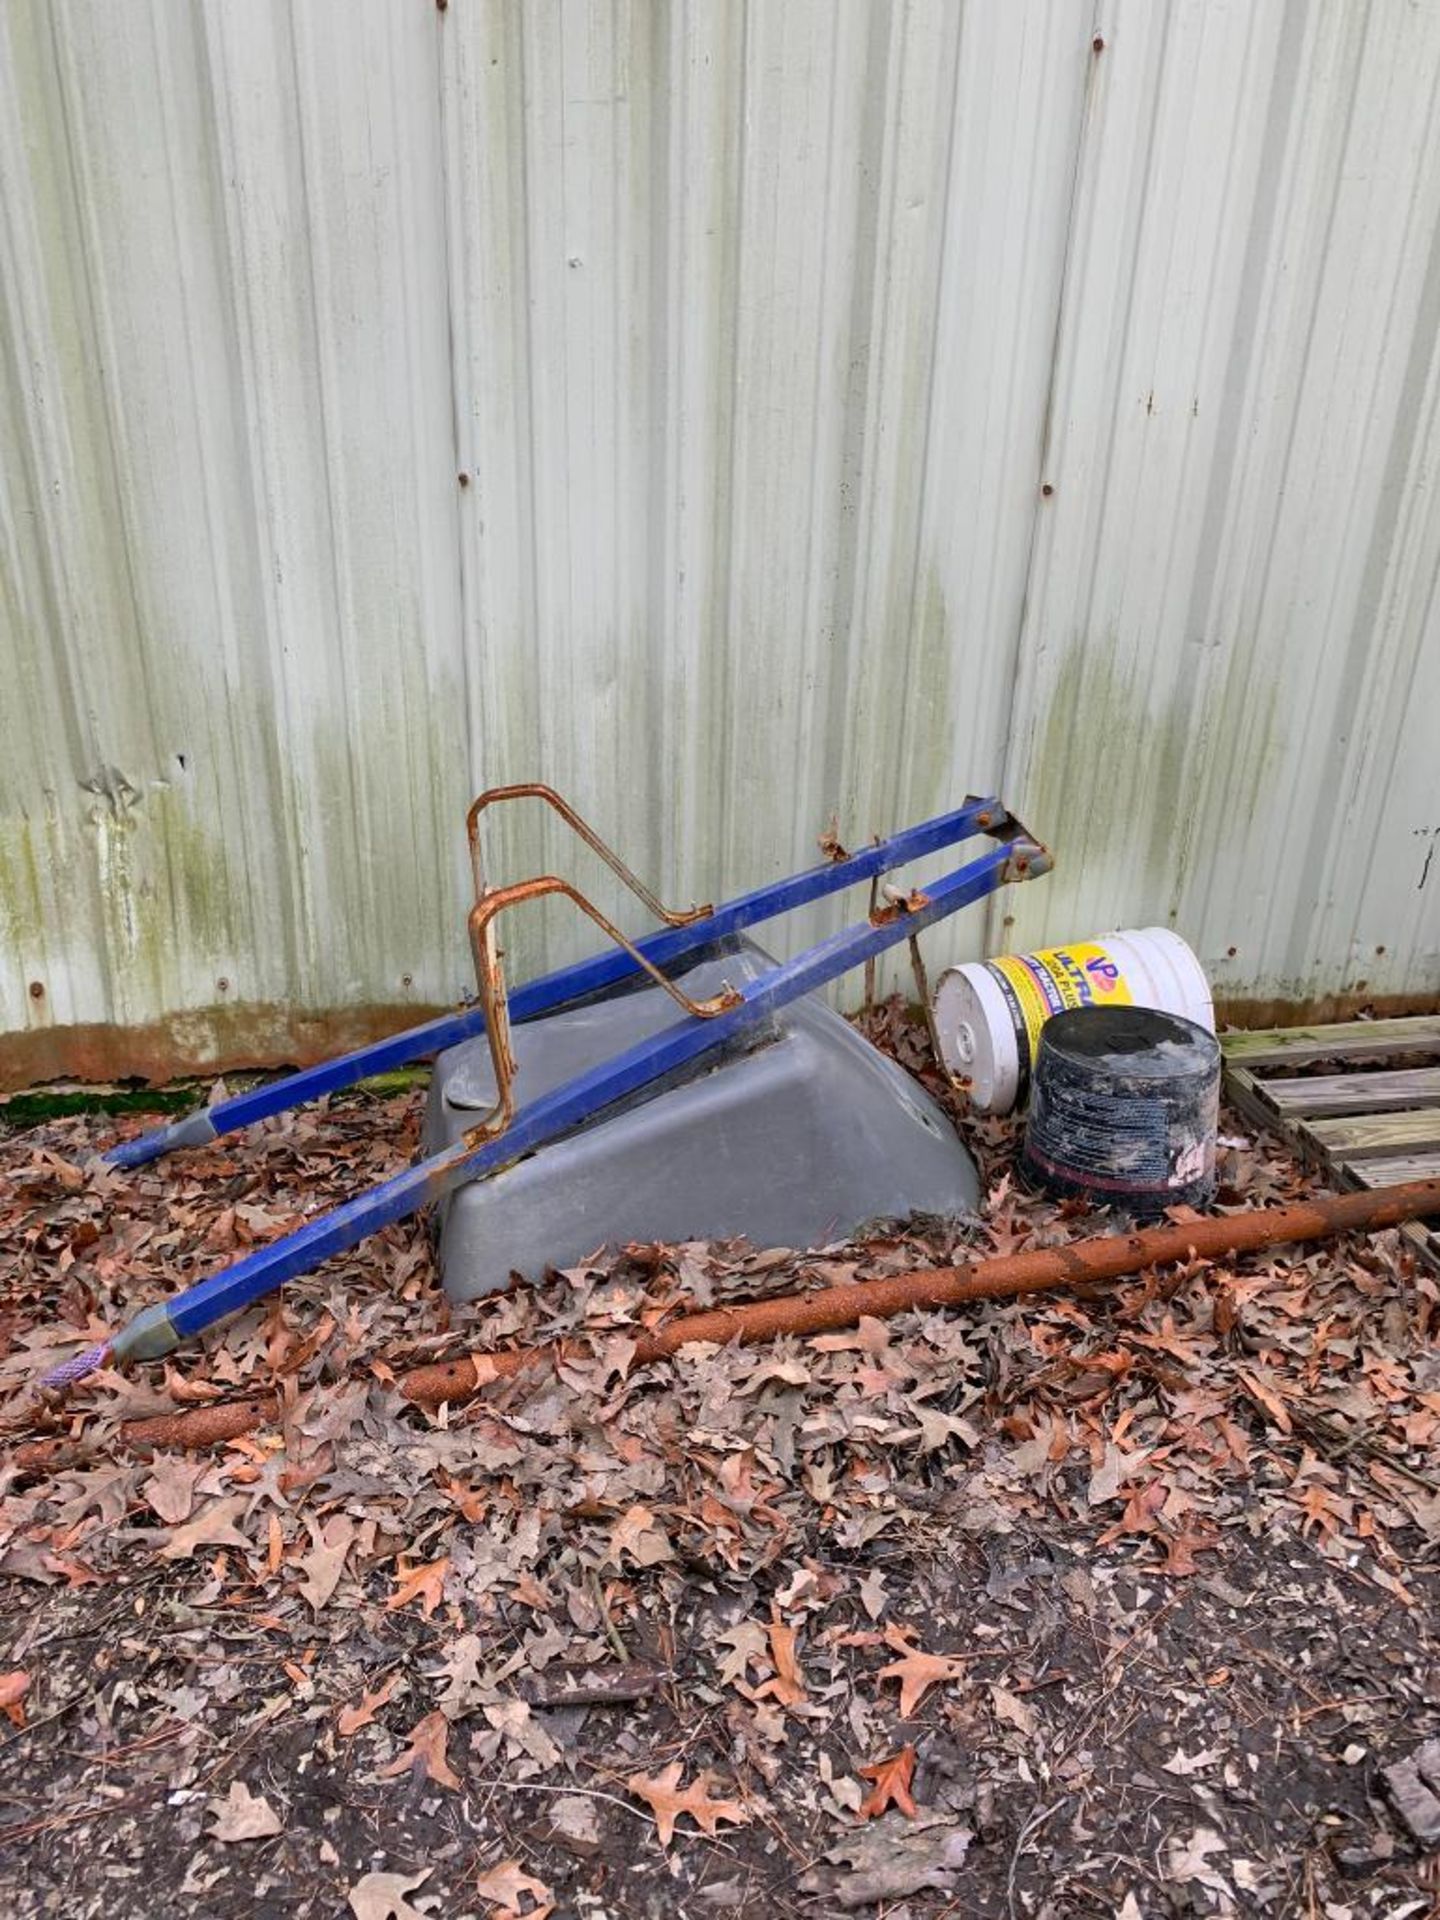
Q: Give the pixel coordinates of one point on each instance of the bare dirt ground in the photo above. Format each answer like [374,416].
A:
[1114,1606]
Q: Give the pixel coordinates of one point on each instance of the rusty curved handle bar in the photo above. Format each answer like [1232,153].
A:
[537,790]
[494,997]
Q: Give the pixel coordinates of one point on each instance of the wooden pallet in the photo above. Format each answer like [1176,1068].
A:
[1371,1122]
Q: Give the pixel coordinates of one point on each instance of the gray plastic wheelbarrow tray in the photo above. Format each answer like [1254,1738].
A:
[793,1136]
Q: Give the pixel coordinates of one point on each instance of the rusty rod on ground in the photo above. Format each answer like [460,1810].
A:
[827,1309]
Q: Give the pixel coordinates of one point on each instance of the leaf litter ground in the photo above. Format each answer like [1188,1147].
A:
[1115,1605]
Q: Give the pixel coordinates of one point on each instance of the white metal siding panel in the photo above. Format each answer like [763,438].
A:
[1221,626]
[230,546]
[756,330]
[751,562]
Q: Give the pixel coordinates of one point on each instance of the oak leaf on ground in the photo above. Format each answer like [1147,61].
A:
[353,1718]
[639,1533]
[381,1896]
[667,1800]
[891,1779]
[506,1884]
[1181,1549]
[788,1686]
[169,1492]
[325,1561]
[213,1526]
[423,1583]
[13,1688]
[426,1752]
[917,1672]
[243,1815]
[514,1719]
[1011,1708]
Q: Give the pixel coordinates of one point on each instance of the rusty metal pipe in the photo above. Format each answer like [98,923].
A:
[1082,1263]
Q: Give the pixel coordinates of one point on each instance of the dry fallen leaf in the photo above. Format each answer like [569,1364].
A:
[464,1672]
[381,1896]
[325,1561]
[573,1815]
[506,1884]
[1190,1859]
[76,1573]
[876,1865]
[423,1583]
[243,1815]
[748,1642]
[353,1718]
[1181,1549]
[526,1734]
[639,1533]
[891,1777]
[170,1490]
[213,1526]
[426,1752]
[917,1673]
[667,1800]
[872,1593]
[1265,1393]
[1010,1707]
[13,1688]
[788,1686]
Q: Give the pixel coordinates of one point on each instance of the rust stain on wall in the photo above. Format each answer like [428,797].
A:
[215,1039]
[223,1039]
[1254,1015]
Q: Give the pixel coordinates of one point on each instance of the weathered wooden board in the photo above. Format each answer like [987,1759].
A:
[1352,1039]
[1394,1172]
[1368,1126]
[1382,1091]
[1389,1173]
[1364,1136]
[1242,1090]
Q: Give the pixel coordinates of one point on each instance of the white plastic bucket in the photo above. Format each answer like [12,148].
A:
[988,1014]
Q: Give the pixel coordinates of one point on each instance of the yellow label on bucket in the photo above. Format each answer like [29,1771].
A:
[1039,984]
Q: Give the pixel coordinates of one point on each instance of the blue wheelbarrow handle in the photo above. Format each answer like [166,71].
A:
[553,990]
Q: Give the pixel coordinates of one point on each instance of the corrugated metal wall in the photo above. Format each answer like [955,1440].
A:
[734,413]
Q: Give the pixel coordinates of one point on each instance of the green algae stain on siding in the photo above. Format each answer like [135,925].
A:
[165,896]
[1127,781]
[21,898]
[929,698]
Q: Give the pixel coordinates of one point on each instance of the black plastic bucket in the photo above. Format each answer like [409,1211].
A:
[1125,1108]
